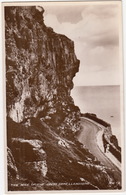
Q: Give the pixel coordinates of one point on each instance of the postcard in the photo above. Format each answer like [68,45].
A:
[64,96]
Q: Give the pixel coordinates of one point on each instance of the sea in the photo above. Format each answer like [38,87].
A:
[104,101]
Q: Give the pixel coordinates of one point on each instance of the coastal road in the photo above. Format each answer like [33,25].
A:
[88,137]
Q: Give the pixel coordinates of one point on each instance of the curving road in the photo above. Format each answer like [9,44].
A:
[88,137]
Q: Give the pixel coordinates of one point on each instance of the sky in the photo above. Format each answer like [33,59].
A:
[94,28]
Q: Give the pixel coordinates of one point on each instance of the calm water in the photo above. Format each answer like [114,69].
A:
[104,101]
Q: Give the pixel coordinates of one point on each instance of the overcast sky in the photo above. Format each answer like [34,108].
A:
[94,28]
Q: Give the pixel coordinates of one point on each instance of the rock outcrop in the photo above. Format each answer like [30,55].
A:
[40,67]
[12,169]
[41,116]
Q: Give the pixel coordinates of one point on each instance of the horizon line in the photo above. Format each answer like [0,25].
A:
[94,85]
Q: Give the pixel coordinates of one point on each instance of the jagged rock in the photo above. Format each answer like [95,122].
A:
[37,167]
[28,150]
[63,143]
[40,67]
[30,157]
[12,168]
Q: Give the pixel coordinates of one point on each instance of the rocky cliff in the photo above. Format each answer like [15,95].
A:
[42,119]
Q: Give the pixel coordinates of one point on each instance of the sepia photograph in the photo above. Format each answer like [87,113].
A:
[64,128]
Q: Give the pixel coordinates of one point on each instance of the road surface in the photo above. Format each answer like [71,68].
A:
[88,138]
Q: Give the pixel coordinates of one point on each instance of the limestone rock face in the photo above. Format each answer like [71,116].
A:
[40,66]
[30,155]
[28,150]
[12,168]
